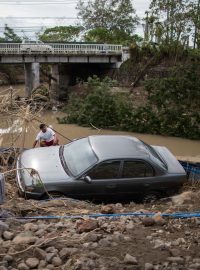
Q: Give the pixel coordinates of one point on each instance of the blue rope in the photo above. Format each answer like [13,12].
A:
[173,215]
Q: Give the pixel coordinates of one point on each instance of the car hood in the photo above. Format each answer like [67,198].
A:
[172,163]
[46,161]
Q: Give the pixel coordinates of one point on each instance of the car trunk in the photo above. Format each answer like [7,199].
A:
[173,165]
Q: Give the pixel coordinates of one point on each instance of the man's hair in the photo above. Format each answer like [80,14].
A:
[42,126]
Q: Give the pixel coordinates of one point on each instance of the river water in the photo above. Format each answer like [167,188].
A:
[11,132]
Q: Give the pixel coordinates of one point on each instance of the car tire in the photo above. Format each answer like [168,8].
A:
[151,197]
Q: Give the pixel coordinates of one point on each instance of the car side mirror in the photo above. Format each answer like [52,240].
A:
[87,179]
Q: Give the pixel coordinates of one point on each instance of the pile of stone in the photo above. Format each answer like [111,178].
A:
[150,243]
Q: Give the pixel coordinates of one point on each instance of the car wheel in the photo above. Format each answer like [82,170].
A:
[151,197]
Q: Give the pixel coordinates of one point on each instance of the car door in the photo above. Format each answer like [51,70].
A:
[136,178]
[104,180]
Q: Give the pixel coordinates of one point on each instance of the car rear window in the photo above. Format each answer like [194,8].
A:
[79,156]
[154,155]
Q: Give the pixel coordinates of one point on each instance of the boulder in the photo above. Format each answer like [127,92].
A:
[86,225]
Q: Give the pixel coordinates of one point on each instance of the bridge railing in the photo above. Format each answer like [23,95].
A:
[59,48]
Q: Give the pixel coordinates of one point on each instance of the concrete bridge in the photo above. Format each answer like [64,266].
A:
[61,57]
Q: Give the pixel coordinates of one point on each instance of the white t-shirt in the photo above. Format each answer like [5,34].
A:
[46,136]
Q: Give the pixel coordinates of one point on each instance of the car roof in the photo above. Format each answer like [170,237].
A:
[117,146]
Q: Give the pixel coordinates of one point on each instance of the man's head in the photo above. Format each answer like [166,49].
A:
[43,128]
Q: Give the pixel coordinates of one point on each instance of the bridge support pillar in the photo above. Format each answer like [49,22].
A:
[54,91]
[32,77]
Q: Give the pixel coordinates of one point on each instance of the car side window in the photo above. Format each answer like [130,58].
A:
[106,170]
[136,169]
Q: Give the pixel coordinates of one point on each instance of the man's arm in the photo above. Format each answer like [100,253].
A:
[35,143]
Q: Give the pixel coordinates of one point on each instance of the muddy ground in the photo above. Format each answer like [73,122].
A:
[102,243]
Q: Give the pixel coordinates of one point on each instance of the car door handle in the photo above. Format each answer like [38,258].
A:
[111,186]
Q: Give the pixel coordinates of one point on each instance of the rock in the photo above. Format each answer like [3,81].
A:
[148,266]
[158,243]
[56,261]
[104,242]
[148,221]
[32,262]
[107,209]
[23,266]
[93,255]
[30,227]
[174,252]
[67,252]
[130,226]
[3,227]
[86,225]
[24,238]
[52,250]
[182,198]
[8,258]
[128,259]
[50,266]
[40,253]
[197,221]
[3,268]
[8,235]
[42,264]
[49,257]
[195,266]
[178,242]
[91,237]
[40,232]
[159,220]
[178,260]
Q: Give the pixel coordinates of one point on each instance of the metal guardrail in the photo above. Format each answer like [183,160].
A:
[59,48]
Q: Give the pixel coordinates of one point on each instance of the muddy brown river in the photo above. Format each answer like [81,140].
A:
[12,133]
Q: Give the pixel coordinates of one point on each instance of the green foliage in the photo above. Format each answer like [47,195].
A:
[96,105]
[175,102]
[10,35]
[61,34]
[116,36]
[108,21]
[172,107]
[182,20]
[109,14]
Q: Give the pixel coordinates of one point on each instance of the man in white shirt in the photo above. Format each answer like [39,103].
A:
[46,137]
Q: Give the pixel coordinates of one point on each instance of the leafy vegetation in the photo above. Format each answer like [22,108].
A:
[10,35]
[61,34]
[172,107]
[108,21]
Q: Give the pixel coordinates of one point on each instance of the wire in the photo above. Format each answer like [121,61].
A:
[136,214]
[32,3]
[36,18]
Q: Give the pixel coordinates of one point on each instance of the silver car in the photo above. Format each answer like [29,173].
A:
[35,46]
[100,167]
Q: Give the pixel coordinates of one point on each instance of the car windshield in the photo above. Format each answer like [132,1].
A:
[79,156]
